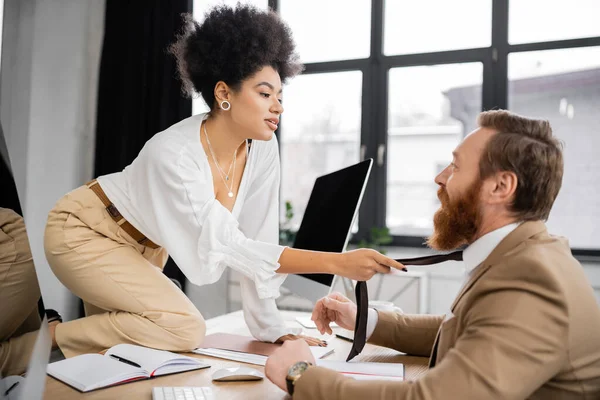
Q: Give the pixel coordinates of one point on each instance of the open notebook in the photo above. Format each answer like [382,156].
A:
[120,364]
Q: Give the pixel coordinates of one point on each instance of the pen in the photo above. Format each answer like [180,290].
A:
[14,385]
[126,361]
[344,337]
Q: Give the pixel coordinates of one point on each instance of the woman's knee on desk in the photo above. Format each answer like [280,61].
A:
[185,331]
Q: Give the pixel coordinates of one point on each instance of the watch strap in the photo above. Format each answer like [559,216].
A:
[291,381]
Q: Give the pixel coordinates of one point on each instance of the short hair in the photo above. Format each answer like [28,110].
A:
[231,45]
[526,147]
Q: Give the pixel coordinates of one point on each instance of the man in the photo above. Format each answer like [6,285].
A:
[524,325]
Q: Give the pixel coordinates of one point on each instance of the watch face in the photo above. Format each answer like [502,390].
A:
[297,368]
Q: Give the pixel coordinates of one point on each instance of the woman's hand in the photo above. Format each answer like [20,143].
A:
[362,264]
[359,264]
[310,340]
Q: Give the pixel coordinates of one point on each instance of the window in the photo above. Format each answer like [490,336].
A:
[542,20]
[563,86]
[321,131]
[323,33]
[431,108]
[403,82]
[432,25]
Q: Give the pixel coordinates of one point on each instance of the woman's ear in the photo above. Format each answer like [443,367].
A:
[222,92]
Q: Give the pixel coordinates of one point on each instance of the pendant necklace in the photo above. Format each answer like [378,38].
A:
[224,176]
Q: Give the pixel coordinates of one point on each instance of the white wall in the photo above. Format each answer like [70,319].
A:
[15,83]
[48,87]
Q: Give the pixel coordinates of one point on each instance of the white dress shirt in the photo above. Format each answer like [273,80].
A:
[473,255]
[167,193]
[480,249]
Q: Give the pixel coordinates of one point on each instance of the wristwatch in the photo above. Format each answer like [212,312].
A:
[294,373]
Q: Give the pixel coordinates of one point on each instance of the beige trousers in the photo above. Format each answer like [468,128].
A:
[19,295]
[127,297]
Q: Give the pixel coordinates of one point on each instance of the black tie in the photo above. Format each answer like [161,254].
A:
[362,298]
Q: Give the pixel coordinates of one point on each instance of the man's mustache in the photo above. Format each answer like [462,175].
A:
[442,195]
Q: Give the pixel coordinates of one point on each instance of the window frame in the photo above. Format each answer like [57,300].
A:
[375,71]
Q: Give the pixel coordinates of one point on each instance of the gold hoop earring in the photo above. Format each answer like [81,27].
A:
[225,105]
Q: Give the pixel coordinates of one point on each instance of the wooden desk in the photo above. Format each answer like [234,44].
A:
[264,389]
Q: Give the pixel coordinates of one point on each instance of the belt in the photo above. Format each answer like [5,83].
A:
[118,218]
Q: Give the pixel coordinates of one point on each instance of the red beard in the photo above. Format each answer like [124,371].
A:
[455,223]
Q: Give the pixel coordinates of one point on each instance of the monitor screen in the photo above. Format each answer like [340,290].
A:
[330,212]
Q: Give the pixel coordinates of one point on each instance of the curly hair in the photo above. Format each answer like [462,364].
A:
[230,45]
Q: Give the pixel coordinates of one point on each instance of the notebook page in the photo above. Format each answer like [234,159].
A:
[92,371]
[175,368]
[151,359]
[320,352]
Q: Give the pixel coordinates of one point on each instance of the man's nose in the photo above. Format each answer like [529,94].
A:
[442,177]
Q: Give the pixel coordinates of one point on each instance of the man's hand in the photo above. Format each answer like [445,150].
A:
[308,339]
[334,308]
[283,358]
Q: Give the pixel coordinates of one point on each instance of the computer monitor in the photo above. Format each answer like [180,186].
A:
[327,223]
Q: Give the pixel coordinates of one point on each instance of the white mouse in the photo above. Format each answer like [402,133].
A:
[238,373]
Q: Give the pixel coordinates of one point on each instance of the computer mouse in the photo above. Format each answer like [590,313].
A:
[239,373]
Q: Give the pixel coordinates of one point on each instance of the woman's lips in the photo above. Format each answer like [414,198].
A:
[271,124]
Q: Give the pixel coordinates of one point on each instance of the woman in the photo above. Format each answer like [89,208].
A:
[198,191]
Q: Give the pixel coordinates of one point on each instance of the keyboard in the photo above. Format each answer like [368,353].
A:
[182,393]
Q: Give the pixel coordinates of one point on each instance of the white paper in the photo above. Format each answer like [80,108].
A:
[307,322]
[365,370]
[256,359]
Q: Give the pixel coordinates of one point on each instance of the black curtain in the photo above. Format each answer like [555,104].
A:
[9,197]
[139,94]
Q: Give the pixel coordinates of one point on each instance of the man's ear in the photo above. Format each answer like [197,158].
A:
[504,187]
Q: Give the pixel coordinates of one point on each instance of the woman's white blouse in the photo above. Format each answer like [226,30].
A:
[167,194]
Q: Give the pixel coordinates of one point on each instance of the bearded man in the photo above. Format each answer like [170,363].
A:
[525,325]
